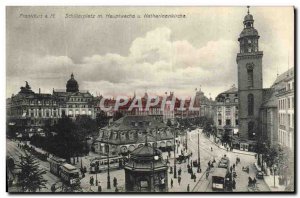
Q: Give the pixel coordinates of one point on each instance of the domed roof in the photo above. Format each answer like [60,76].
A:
[248,17]
[249,32]
[72,85]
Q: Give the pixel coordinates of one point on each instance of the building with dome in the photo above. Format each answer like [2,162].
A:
[31,109]
[146,170]
[72,85]
[75,102]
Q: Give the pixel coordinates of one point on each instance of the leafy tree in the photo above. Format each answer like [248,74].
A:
[169,123]
[30,177]
[102,119]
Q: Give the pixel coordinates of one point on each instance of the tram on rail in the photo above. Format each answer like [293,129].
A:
[68,173]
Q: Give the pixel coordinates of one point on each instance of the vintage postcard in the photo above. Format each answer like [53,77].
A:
[150,99]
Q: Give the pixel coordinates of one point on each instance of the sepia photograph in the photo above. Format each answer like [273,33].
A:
[150,99]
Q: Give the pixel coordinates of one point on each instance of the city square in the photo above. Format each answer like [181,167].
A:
[126,124]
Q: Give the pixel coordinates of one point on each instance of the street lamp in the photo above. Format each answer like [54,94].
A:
[175,172]
[108,176]
[199,168]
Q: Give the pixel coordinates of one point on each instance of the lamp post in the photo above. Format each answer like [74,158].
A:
[175,172]
[108,176]
[199,168]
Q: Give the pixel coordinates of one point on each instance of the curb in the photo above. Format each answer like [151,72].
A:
[230,151]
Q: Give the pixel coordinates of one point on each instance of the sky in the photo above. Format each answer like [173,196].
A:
[121,56]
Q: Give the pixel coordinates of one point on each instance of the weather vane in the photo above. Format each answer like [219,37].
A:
[248,9]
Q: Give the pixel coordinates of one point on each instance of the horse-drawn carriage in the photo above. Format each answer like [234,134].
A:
[183,158]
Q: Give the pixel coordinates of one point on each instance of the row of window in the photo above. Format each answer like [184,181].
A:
[228,122]
[79,106]
[80,99]
[249,41]
[285,138]
[76,112]
[286,119]
[286,103]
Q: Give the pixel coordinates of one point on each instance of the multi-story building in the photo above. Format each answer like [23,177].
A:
[285,104]
[127,133]
[74,102]
[37,109]
[226,111]
[32,109]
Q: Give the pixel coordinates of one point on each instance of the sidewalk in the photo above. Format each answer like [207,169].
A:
[234,150]
[269,179]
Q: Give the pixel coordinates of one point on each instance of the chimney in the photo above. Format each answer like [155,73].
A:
[39,90]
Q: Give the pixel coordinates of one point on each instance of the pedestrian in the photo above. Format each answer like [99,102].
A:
[188,188]
[195,177]
[99,188]
[91,181]
[116,190]
[233,166]
[172,183]
[171,170]
[53,188]
[211,149]
[249,181]
[233,184]
[115,182]
[254,182]
[207,174]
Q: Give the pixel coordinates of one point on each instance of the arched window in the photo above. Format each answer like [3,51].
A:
[250,77]
[250,104]
[251,132]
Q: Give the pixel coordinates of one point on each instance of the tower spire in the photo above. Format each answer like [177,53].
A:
[248,9]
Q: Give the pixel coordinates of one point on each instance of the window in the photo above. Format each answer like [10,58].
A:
[220,122]
[289,103]
[249,41]
[236,122]
[228,122]
[250,104]
[289,120]
[250,77]
[293,102]
[227,100]
[249,49]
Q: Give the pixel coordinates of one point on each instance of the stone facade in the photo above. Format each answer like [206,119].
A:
[226,110]
[250,81]
[28,108]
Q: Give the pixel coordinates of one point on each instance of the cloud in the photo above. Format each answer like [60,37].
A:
[154,62]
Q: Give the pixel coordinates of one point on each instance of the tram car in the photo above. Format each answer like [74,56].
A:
[55,165]
[99,165]
[68,173]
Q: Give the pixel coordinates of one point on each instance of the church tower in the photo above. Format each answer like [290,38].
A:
[250,82]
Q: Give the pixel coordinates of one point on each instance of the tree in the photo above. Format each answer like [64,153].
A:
[102,119]
[169,123]
[30,177]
